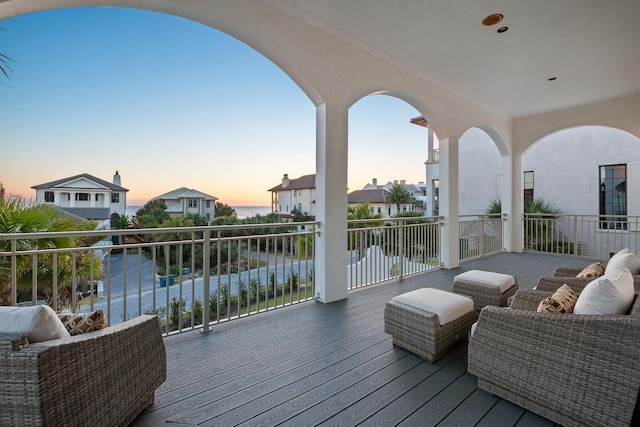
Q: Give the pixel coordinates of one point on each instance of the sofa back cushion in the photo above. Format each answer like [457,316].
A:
[592,270]
[607,295]
[39,323]
[623,259]
[81,323]
[562,301]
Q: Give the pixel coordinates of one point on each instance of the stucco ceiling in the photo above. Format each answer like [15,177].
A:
[590,47]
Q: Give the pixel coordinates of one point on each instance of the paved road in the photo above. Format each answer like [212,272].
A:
[135,269]
[142,294]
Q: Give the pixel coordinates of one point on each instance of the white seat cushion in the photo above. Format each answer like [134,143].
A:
[489,278]
[39,323]
[446,305]
[607,295]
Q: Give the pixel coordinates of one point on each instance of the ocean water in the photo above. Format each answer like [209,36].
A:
[249,211]
[242,211]
[131,210]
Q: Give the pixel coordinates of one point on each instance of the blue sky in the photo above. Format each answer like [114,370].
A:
[169,102]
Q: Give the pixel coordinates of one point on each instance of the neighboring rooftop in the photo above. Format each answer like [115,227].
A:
[372,196]
[304,182]
[185,193]
[88,213]
[64,182]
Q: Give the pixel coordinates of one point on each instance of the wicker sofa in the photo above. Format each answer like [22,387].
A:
[107,377]
[575,370]
[567,275]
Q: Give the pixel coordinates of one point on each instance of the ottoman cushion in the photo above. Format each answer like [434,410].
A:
[501,281]
[446,305]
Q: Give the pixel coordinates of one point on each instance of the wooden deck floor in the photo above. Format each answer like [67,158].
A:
[332,365]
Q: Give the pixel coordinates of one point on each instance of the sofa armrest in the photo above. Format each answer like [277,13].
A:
[528,299]
[106,377]
[566,271]
[11,342]
[565,367]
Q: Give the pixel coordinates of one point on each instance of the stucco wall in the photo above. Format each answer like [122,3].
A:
[566,164]
[480,165]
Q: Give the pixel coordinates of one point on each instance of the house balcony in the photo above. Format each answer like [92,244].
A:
[266,352]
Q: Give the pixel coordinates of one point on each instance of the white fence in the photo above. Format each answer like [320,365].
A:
[480,235]
[387,249]
[590,236]
[190,277]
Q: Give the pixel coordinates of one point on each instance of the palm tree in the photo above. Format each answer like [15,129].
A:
[5,68]
[4,65]
[357,239]
[539,225]
[362,211]
[175,222]
[17,216]
[121,222]
[400,196]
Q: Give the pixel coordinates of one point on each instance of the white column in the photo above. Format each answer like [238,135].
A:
[72,199]
[450,237]
[515,227]
[331,206]
[430,144]
[56,198]
[508,196]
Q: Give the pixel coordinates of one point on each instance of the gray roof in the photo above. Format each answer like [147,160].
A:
[89,213]
[185,193]
[66,213]
[304,182]
[370,196]
[63,181]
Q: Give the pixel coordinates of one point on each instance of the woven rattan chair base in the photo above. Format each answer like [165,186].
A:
[484,294]
[419,332]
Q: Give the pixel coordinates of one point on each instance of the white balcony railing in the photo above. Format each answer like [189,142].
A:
[193,277]
[381,250]
[591,236]
[221,273]
[480,235]
[214,273]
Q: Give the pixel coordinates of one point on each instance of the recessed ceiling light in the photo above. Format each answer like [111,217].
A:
[502,29]
[492,19]
[551,78]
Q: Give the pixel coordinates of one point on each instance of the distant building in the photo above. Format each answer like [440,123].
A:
[183,201]
[85,196]
[298,194]
[585,170]
[377,197]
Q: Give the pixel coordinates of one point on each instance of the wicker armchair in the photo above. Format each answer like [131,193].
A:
[107,377]
[572,369]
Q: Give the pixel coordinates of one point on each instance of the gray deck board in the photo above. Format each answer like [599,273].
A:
[333,365]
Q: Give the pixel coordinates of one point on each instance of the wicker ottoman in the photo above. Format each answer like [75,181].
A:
[428,322]
[485,287]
